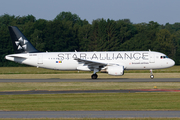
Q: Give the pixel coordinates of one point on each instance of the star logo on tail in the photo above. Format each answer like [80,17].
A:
[21,44]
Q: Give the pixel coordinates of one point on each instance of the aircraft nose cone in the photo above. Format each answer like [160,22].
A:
[172,63]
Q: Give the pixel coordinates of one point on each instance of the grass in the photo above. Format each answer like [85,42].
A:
[174,69]
[33,70]
[51,86]
[91,101]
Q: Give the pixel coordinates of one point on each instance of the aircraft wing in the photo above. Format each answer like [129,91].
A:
[94,63]
[91,63]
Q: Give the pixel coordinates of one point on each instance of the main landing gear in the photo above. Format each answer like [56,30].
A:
[151,72]
[94,75]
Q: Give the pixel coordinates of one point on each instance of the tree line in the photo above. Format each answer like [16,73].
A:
[67,32]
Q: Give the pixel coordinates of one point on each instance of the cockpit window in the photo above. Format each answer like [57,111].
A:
[163,57]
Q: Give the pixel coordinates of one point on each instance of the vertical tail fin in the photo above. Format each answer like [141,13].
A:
[20,42]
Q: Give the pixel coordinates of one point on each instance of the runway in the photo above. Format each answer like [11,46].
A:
[85,91]
[89,114]
[94,80]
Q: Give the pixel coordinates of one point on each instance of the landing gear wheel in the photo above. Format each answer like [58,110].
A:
[151,72]
[94,76]
[151,76]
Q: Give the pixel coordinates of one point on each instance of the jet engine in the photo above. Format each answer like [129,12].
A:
[115,70]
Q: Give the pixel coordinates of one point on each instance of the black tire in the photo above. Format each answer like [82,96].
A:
[94,76]
[152,76]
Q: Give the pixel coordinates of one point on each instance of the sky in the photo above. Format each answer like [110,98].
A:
[138,11]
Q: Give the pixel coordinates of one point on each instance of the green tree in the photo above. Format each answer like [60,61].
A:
[164,41]
[68,16]
[125,30]
[84,35]
[37,40]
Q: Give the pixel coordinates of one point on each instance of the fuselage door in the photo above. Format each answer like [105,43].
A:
[151,57]
[40,59]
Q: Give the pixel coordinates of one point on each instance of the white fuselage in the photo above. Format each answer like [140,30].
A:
[66,60]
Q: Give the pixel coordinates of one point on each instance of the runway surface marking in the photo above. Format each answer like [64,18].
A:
[89,114]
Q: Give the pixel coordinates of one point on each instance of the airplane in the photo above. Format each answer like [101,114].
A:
[112,62]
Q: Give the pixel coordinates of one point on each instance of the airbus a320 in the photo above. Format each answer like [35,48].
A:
[112,62]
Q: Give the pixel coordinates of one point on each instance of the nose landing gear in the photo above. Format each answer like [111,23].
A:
[151,72]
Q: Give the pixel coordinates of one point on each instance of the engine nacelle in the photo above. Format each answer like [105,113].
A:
[116,70]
